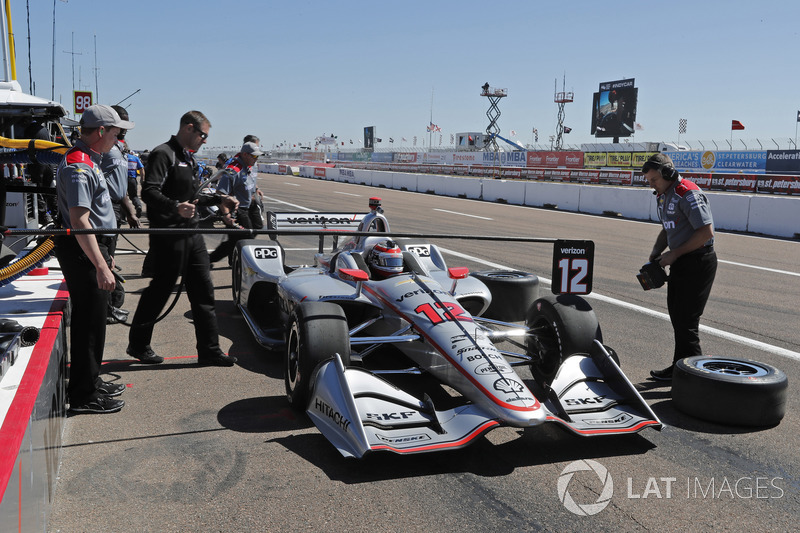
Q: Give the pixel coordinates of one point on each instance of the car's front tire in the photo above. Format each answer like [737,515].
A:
[316,331]
[561,325]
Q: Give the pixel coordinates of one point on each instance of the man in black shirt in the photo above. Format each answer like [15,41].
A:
[171,191]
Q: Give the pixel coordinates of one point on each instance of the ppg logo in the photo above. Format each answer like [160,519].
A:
[266,253]
[420,250]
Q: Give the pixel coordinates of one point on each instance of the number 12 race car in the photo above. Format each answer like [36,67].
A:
[386,348]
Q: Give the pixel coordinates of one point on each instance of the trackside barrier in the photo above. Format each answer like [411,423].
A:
[769,215]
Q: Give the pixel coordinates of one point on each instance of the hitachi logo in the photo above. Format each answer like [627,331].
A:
[331,413]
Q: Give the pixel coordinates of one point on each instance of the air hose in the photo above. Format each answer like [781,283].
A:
[22,266]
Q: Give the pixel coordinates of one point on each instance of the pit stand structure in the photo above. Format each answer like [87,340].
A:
[494,95]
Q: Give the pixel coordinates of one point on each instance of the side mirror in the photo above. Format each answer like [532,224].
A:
[354,274]
[456,273]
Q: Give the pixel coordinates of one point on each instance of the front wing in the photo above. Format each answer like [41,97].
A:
[358,412]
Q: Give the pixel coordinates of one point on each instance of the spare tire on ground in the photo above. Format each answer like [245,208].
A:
[513,292]
[728,390]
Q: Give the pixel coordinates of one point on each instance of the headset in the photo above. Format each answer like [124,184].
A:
[668,171]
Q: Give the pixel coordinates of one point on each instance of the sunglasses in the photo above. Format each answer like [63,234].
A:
[203,135]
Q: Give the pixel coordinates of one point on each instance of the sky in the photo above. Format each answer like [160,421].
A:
[295,70]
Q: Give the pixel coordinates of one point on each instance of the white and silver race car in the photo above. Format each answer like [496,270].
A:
[425,360]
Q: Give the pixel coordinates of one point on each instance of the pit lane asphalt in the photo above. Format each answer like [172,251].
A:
[218,449]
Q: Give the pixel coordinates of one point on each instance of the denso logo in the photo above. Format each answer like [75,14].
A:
[404,439]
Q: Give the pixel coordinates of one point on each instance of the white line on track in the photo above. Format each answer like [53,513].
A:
[462,214]
[345,193]
[639,309]
[291,184]
[300,207]
[762,268]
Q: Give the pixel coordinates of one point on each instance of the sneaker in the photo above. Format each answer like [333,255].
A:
[662,375]
[145,356]
[219,359]
[100,405]
[111,389]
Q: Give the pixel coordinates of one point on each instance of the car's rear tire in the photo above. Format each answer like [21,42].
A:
[316,331]
[513,291]
[729,390]
[562,325]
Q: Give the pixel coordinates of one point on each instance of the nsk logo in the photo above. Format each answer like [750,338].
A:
[316,219]
[348,173]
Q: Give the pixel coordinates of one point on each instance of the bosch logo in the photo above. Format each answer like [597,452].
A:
[266,253]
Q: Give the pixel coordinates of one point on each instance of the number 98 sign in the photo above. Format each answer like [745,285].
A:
[82,100]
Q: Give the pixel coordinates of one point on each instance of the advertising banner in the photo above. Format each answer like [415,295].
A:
[619,159]
[568,159]
[638,159]
[400,157]
[783,161]
[595,159]
[723,161]
[779,184]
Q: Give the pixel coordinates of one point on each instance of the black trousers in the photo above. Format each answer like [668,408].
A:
[169,255]
[690,281]
[88,326]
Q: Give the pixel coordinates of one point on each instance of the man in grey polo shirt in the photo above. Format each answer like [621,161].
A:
[84,203]
[688,231]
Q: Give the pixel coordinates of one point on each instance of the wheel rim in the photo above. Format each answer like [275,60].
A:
[547,347]
[731,368]
[293,359]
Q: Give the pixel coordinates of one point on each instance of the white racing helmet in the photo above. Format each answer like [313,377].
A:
[385,259]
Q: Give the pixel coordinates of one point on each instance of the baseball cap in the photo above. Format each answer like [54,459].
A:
[103,115]
[252,149]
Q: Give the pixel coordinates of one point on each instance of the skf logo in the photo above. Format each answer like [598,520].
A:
[266,253]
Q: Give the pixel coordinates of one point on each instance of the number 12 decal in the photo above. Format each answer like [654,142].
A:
[437,315]
[573,262]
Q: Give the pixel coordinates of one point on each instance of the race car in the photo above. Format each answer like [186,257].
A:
[386,348]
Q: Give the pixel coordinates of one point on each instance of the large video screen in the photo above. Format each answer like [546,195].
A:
[614,109]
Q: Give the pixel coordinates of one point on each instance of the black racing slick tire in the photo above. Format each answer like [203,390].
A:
[728,390]
[561,325]
[513,292]
[317,331]
[236,269]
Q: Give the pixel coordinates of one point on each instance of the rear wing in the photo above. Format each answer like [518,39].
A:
[320,221]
